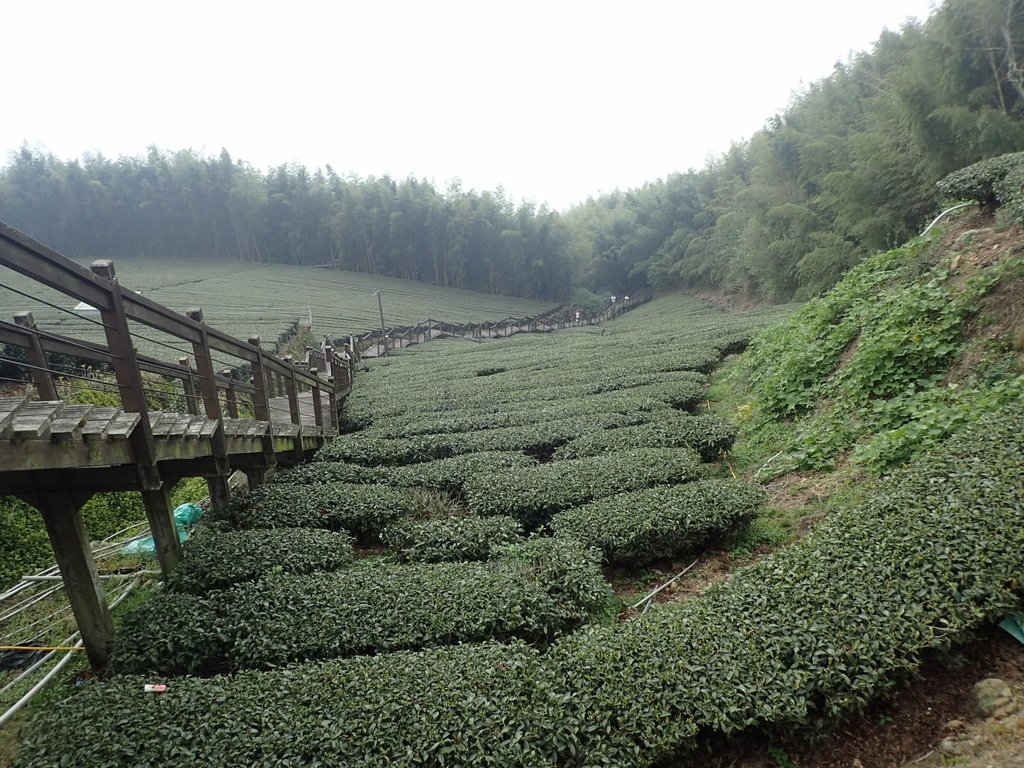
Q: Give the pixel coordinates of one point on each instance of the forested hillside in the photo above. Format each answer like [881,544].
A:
[848,170]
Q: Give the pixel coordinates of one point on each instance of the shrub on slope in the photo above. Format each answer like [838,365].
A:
[532,591]
[214,559]
[640,527]
[533,494]
[362,510]
[812,631]
[451,539]
[708,434]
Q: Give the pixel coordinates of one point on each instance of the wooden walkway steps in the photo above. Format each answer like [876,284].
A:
[50,438]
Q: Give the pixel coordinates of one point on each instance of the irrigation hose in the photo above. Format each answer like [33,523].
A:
[68,656]
[34,690]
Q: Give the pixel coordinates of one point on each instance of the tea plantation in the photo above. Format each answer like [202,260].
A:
[233,296]
[432,591]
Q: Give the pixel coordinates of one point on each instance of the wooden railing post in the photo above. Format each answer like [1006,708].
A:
[155,495]
[260,400]
[230,394]
[188,384]
[318,405]
[333,390]
[220,493]
[40,369]
[261,410]
[291,385]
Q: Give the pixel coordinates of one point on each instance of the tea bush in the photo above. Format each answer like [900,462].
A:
[811,632]
[533,494]
[533,591]
[984,182]
[710,435]
[215,559]
[315,473]
[362,510]
[450,475]
[643,526]
[458,706]
[451,539]
[538,438]
[820,628]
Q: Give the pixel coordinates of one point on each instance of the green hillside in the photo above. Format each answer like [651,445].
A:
[267,299]
[455,579]
[897,397]
[911,347]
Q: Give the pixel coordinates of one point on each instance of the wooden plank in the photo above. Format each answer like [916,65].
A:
[98,422]
[121,426]
[181,425]
[209,427]
[257,428]
[286,430]
[195,427]
[9,407]
[35,418]
[157,423]
[69,425]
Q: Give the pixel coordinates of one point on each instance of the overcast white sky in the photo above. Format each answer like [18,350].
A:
[553,100]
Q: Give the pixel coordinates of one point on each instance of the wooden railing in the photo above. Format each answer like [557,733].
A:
[560,318]
[44,472]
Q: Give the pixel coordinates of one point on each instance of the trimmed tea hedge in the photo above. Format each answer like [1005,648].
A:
[512,406]
[983,182]
[218,559]
[533,591]
[810,632]
[367,448]
[459,706]
[450,475]
[710,435]
[533,494]
[821,627]
[362,510]
[451,539]
[318,472]
[641,527]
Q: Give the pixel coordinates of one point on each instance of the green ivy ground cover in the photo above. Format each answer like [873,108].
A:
[643,526]
[216,559]
[532,591]
[866,367]
[810,632]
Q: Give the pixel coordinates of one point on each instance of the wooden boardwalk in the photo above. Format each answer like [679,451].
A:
[55,455]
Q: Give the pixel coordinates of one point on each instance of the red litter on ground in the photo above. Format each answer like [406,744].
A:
[150,688]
